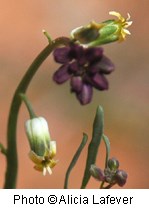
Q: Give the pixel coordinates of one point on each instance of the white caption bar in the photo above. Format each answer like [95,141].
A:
[72,199]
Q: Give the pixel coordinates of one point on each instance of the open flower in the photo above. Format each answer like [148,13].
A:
[85,68]
[43,149]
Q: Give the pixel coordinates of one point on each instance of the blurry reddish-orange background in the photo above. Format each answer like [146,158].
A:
[126,103]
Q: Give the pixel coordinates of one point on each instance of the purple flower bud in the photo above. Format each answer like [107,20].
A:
[61,75]
[85,95]
[109,175]
[121,177]
[113,164]
[97,173]
[76,84]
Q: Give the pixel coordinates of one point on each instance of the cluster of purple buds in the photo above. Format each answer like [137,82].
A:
[111,174]
[84,67]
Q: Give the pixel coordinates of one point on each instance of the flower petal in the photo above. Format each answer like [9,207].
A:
[118,15]
[52,149]
[93,54]
[44,171]
[38,134]
[39,168]
[49,170]
[61,55]
[77,52]
[85,96]
[35,158]
[52,163]
[126,31]
[76,84]
[62,74]
[104,66]
[74,68]
[99,82]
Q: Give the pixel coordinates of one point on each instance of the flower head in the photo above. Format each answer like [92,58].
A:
[43,149]
[85,68]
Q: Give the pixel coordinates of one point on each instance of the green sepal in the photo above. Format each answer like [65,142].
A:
[107,34]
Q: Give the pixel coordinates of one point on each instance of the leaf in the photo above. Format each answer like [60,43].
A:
[94,144]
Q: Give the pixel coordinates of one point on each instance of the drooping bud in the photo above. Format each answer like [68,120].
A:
[38,135]
[97,173]
[42,148]
[95,34]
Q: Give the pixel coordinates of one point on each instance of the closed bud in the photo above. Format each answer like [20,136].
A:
[121,177]
[97,173]
[113,164]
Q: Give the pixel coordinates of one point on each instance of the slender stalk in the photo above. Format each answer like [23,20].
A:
[28,105]
[75,159]
[101,186]
[12,158]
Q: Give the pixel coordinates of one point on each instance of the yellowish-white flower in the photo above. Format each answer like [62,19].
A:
[95,34]
[43,149]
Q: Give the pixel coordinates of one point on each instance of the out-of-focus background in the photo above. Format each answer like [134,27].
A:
[126,103]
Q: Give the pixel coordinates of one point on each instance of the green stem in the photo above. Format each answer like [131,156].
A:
[28,105]
[109,186]
[75,159]
[102,184]
[12,158]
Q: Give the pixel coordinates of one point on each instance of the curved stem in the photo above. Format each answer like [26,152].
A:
[28,105]
[75,159]
[12,160]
